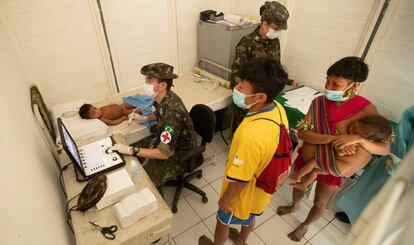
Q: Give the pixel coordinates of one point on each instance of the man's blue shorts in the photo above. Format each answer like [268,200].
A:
[230,219]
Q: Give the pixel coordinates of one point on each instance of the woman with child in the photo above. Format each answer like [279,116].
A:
[371,128]
[325,126]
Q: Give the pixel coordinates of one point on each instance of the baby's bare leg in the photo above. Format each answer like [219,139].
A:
[304,183]
[307,168]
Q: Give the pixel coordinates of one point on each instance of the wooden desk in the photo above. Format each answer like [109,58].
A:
[191,94]
[145,231]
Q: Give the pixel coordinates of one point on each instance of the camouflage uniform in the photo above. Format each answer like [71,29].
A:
[173,135]
[253,46]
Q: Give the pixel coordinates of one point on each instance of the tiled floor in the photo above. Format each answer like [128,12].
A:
[195,218]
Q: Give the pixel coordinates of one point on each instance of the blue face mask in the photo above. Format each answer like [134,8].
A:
[238,99]
[337,96]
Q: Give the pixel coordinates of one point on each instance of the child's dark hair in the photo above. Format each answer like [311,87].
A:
[84,111]
[376,128]
[266,76]
[352,68]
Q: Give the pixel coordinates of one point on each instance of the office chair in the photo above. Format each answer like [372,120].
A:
[204,122]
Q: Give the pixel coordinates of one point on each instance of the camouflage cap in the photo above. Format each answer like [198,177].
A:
[159,70]
[276,13]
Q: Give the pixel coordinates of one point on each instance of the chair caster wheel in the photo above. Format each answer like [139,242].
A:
[174,209]
[199,176]
[204,199]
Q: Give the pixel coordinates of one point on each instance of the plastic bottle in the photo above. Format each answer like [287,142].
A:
[197,71]
[134,170]
[225,84]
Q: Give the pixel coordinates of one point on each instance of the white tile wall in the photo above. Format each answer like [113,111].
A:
[139,33]
[248,7]
[58,43]
[390,85]
[60,48]
[188,13]
[36,167]
[320,33]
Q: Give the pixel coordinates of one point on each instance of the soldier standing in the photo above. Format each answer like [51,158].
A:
[262,42]
[174,132]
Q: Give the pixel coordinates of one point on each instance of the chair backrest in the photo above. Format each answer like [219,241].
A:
[204,122]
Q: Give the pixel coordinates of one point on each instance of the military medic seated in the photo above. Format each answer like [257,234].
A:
[174,132]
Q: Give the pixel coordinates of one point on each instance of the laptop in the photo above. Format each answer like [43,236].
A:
[92,158]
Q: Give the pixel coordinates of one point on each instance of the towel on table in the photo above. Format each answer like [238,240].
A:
[142,102]
[79,129]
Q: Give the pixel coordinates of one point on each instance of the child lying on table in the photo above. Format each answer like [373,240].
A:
[110,114]
[373,128]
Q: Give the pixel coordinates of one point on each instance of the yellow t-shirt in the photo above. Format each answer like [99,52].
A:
[253,146]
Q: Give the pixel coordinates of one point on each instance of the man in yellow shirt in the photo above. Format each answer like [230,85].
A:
[252,148]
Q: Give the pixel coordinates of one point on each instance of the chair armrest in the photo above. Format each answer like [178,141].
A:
[192,153]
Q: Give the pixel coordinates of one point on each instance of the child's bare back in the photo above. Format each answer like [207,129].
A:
[115,111]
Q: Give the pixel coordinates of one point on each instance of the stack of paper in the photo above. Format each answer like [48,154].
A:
[119,186]
[300,98]
[135,206]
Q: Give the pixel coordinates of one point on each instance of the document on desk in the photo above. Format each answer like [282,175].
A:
[301,98]
[119,185]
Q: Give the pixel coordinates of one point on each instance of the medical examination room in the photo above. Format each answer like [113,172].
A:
[200,122]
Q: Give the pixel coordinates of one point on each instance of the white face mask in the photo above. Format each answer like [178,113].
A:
[272,34]
[149,90]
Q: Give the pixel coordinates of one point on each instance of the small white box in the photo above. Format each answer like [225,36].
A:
[119,185]
[135,206]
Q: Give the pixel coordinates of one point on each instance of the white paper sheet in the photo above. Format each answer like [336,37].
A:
[300,98]
[302,93]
